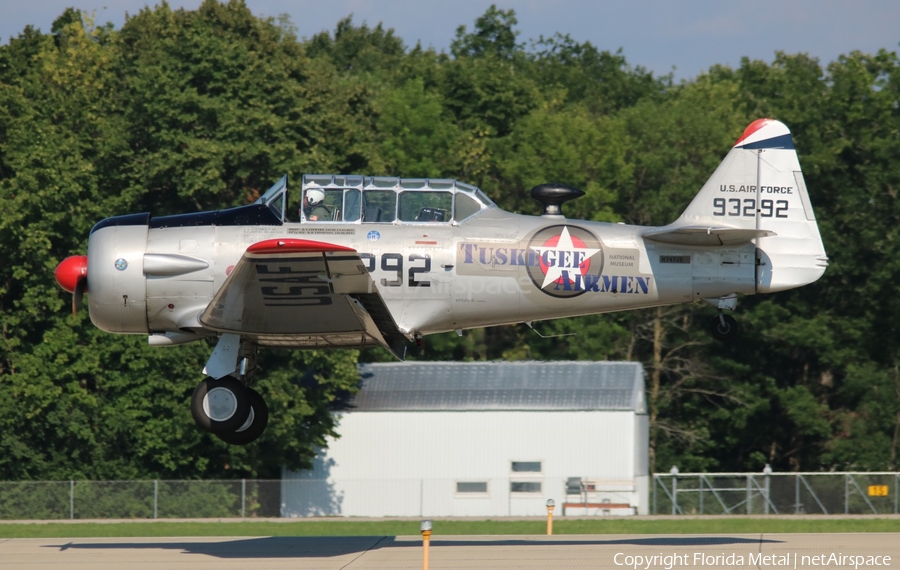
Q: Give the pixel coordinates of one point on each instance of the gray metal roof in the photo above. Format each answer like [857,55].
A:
[479,386]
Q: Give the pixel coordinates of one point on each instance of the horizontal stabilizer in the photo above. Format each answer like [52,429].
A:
[705,235]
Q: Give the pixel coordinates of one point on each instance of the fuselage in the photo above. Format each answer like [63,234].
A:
[156,275]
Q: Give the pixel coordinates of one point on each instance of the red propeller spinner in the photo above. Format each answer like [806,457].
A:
[71,274]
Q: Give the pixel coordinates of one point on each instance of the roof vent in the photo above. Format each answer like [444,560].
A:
[552,196]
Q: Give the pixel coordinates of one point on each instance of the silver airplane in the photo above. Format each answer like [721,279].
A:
[354,261]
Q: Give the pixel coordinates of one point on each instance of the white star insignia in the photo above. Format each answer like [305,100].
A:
[563,246]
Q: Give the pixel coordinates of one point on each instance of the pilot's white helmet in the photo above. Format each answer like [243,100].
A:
[313,197]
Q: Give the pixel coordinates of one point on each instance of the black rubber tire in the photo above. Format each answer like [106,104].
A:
[258,420]
[724,332]
[233,417]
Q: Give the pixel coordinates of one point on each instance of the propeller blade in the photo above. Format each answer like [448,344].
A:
[78,296]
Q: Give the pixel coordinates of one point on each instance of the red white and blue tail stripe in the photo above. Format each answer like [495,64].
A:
[765,133]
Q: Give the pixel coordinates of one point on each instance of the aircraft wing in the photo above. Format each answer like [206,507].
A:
[302,293]
[705,235]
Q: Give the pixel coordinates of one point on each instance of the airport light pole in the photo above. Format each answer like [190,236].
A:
[425,528]
[550,505]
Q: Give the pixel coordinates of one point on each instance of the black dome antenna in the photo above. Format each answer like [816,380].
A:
[552,195]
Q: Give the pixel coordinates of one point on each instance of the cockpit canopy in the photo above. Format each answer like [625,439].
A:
[376,199]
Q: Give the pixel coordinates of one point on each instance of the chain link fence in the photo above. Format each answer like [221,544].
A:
[672,493]
[775,493]
[42,500]
[247,498]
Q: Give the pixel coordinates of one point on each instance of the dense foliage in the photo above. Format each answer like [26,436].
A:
[189,110]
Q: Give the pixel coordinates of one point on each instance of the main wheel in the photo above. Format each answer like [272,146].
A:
[255,424]
[220,405]
[724,327]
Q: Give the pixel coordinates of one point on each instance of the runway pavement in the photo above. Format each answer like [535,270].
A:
[807,551]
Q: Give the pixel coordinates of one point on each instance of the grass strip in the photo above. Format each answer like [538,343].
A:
[444,527]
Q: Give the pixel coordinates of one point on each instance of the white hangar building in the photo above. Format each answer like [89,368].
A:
[483,439]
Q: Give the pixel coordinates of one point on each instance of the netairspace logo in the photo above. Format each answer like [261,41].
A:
[758,560]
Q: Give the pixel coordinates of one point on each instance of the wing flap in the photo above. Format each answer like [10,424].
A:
[302,293]
[705,235]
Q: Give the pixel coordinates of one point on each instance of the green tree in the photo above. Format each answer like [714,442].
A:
[602,80]
[173,112]
[359,50]
[494,35]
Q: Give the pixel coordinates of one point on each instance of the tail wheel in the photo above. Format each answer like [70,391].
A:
[254,426]
[220,405]
[724,327]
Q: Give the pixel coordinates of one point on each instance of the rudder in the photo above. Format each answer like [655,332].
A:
[759,186]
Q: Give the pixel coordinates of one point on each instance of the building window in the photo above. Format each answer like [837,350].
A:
[526,466]
[471,487]
[525,486]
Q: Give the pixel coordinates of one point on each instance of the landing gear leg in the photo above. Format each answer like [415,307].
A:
[724,327]
[246,367]
[224,404]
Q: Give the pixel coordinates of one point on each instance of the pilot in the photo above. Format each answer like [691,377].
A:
[314,206]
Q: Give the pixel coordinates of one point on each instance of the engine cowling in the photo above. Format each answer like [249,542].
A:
[117,297]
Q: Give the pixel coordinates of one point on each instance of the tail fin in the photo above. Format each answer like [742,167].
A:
[758,190]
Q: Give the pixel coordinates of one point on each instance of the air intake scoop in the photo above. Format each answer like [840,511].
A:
[553,195]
